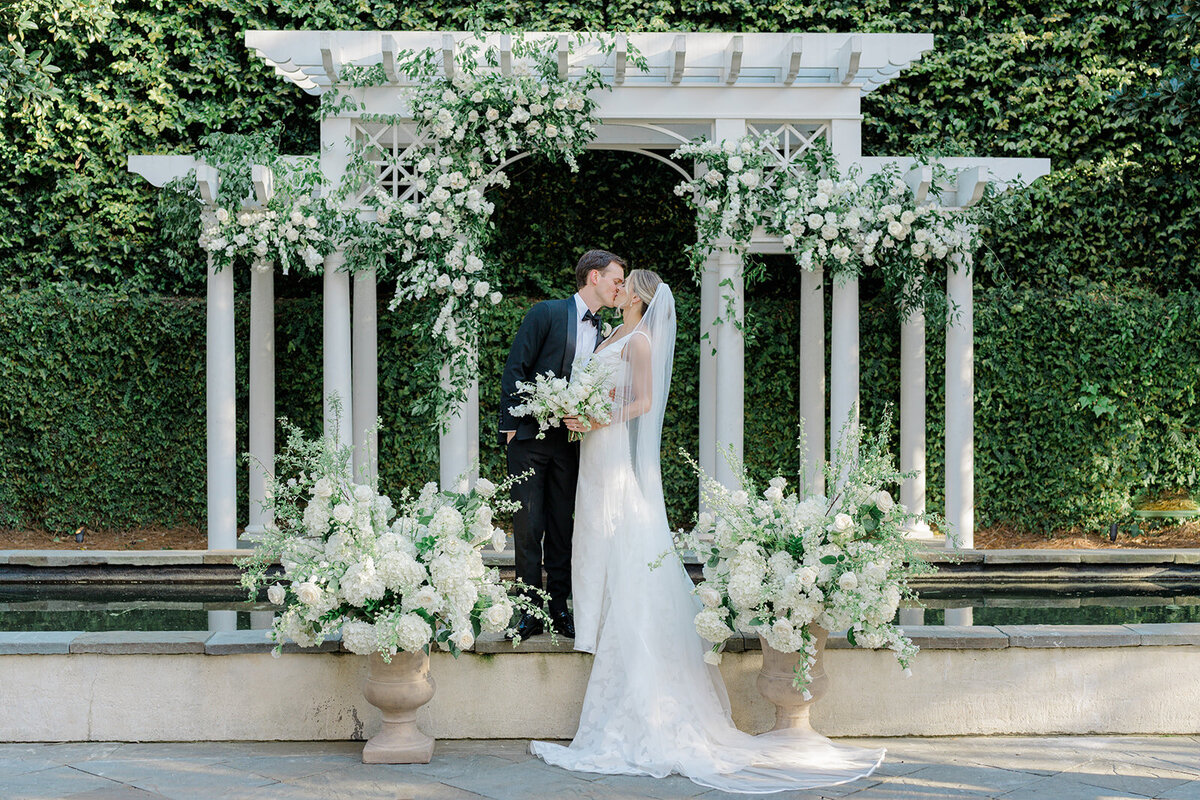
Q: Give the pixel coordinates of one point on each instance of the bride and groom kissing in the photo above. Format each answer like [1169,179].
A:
[593,515]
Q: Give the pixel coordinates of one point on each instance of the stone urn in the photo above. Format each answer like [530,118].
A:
[398,689]
[775,684]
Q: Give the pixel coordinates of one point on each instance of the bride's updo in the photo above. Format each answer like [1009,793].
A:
[644,284]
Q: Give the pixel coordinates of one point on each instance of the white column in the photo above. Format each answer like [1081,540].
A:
[336,350]
[708,367]
[912,417]
[812,377]
[222,621]
[365,376]
[843,364]
[960,420]
[960,408]
[845,140]
[912,616]
[262,394]
[221,411]
[730,376]
[458,442]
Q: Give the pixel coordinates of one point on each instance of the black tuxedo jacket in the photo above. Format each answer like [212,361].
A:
[545,342]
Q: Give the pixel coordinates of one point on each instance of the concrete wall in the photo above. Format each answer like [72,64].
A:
[199,686]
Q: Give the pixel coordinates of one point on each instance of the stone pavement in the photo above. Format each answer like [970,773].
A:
[1015,768]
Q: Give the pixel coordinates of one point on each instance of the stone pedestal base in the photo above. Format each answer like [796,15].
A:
[775,684]
[398,689]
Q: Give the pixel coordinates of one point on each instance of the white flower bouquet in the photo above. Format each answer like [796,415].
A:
[778,562]
[549,399]
[392,579]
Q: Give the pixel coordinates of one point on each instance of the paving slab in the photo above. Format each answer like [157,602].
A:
[1031,556]
[1168,633]
[119,792]
[1070,636]
[140,642]
[229,643]
[36,643]
[1136,779]
[51,784]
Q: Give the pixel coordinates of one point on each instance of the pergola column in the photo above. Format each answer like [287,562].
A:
[845,140]
[365,376]
[262,394]
[730,343]
[812,378]
[336,349]
[708,366]
[458,442]
[960,419]
[262,371]
[221,410]
[912,417]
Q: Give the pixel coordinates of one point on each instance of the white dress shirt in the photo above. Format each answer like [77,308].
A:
[585,331]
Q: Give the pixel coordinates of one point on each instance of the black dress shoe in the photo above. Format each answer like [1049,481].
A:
[564,623]
[529,626]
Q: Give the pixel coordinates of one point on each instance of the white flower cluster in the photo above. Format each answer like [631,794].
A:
[587,395]
[282,232]
[821,220]
[728,198]
[779,563]
[391,579]
[468,126]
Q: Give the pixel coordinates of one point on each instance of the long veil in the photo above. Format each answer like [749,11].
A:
[645,431]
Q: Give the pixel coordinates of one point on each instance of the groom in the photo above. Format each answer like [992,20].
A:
[553,334]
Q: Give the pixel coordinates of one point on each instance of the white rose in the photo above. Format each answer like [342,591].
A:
[481,289]
[308,593]
[496,297]
[498,539]
[551,131]
[342,512]
[848,581]
[222,215]
[843,523]
[463,639]
[276,594]
[774,494]
[712,657]
[750,179]
[739,498]
[709,596]
[497,616]
[883,501]
[735,164]
[491,114]
[791,193]
[485,487]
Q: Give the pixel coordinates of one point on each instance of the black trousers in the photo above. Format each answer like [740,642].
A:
[543,527]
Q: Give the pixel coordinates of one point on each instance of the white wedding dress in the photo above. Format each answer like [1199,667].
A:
[653,706]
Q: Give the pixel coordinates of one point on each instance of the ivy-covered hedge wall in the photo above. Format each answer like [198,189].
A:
[1106,90]
[1083,397]
[1086,311]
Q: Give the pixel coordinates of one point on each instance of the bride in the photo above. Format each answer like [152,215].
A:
[653,706]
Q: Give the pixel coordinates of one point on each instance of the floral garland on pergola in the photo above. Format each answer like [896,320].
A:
[433,244]
[827,221]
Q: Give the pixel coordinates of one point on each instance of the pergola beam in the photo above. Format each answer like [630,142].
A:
[621,53]
[388,50]
[733,59]
[792,54]
[678,59]
[848,59]
[329,57]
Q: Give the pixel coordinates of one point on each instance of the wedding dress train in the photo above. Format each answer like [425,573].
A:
[653,706]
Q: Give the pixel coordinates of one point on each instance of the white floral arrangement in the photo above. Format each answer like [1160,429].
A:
[729,196]
[820,217]
[288,233]
[434,242]
[778,562]
[392,579]
[587,395]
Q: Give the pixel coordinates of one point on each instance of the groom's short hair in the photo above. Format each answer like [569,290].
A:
[594,259]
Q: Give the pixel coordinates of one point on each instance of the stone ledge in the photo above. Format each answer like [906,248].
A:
[36,643]
[1035,636]
[1031,556]
[140,642]
[494,643]
[1168,633]
[956,637]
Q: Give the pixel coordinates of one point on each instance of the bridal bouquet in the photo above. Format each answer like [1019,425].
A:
[392,578]
[779,562]
[587,395]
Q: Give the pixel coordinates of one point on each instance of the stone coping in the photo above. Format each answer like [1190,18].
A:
[71,558]
[927,637]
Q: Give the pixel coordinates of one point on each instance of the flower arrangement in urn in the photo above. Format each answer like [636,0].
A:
[393,579]
[791,567]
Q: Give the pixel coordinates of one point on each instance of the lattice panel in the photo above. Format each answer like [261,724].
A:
[388,148]
[786,143]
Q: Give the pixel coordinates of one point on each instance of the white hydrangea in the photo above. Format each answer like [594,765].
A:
[711,626]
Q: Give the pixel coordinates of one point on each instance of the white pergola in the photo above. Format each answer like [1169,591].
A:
[796,89]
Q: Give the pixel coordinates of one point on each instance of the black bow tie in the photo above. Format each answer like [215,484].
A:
[588,316]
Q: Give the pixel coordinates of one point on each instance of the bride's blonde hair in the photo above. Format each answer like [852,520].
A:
[644,284]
